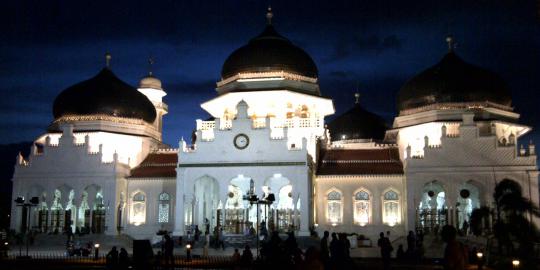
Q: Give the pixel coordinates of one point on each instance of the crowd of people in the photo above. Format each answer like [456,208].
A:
[333,251]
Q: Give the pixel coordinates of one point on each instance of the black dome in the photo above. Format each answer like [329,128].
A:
[269,52]
[104,94]
[357,123]
[453,80]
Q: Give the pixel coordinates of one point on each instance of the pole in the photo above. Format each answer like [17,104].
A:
[257,226]
[28,227]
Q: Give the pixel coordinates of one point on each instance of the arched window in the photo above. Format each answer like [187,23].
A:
[362,208]
[138,209]
[391,214]
[334,207]
[164,207]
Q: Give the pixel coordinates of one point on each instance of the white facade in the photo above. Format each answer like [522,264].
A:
[268,136]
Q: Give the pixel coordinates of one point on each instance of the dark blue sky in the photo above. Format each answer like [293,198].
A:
[46,46]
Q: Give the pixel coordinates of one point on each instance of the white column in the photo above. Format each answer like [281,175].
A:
[179,215]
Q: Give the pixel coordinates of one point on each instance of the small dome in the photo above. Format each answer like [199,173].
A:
[269,51]
[150,82]
[104,94]
[357,123]
[453,80]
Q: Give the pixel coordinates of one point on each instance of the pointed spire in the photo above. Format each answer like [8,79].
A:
[108,58]
[451,43]
[151,62]
[269,15]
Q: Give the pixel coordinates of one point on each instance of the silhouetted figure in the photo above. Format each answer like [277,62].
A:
[197,233]
[290,244]
[386,250]
[346,245]
[325,252]
[465,228]
[112,258]
[206,244]
[169,247]
[400,254]
[312,261]
[264,231]
[455,253]
[206,226]
[236,256]
[220,239]
[123,259]
[337,252]
[411,242]
[247,256]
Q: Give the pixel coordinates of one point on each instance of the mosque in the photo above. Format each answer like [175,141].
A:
[101,166]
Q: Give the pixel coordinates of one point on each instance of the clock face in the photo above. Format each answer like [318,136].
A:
[241,141]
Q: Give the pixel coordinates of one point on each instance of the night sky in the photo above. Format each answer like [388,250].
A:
[47,46]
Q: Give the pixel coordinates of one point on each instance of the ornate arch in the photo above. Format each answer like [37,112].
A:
[391,206]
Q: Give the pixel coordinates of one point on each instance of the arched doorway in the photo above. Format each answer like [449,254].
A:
[281,214]
[432,210]
[205,203]
[239,215]
[98,213]
[468,199]
[57,212]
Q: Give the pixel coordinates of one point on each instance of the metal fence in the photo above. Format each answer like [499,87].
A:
[51,259]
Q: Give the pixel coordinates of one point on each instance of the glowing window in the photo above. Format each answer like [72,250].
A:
[391,214]
[335,207]
[138,209]
[362,208]
[164,208]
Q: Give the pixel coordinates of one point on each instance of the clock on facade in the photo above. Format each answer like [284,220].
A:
[241,141]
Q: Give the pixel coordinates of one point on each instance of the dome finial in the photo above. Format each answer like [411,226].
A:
[151,62]
[451,43]
[108,58]
[357,93]
[269,15]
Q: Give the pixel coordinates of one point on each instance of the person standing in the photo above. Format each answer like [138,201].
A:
[455,253]
[386,250]
[169,247]
[206,226]
[112,258]
[123,259]
[411,242]
[324,248]
[206,243]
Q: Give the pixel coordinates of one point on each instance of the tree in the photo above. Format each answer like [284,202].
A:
[513,228]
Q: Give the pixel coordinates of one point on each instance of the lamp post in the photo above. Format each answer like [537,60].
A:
[188,253]
[34,201]
[96,250]
[515,264]
[480,259]
[254,200]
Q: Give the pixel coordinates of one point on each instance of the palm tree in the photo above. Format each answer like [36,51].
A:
[513,224]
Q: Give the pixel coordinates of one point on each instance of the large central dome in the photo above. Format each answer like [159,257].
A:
[269,51]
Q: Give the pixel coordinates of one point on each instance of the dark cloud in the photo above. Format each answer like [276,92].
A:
[347,47]
[46,46]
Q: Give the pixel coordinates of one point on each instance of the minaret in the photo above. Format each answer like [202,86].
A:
[150,86]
